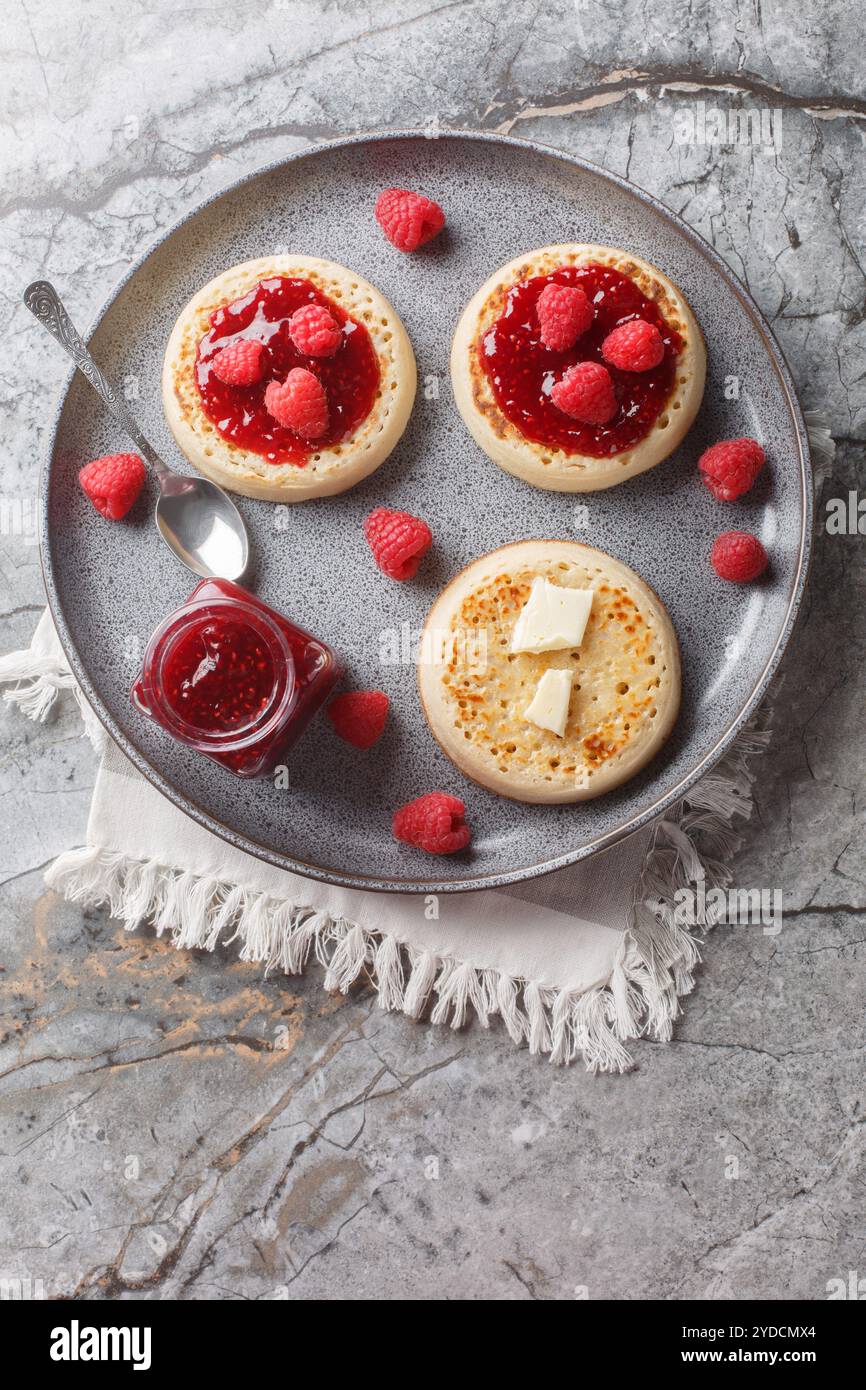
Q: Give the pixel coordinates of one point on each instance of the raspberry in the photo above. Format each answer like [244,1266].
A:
[586,393]
[241,364]
[636,346]
[730,468]
[299,403]
[564,313]
[397,540]
[738,556]
[112,483]
[314,331]
[433,822]
[359,716]
[408,219]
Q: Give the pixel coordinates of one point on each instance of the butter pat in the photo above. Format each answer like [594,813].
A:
[549,706]
[552,618]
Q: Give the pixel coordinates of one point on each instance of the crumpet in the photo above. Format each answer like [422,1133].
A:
[622,682]
[226,431]
[502,374]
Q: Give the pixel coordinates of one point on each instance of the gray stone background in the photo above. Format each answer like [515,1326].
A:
[154,1141]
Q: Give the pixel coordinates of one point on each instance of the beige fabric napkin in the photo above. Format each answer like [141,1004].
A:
[575,964]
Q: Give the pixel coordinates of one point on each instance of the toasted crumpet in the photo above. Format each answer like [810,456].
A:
[327,470]
[552,467]
[625,693]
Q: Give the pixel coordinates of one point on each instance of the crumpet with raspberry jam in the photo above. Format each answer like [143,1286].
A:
[508,382]
[222,420]
[619,682]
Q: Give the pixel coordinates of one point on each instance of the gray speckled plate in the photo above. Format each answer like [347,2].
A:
[109,585]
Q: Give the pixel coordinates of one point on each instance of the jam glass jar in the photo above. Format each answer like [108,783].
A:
[233,678]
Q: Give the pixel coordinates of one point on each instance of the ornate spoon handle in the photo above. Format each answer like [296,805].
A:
[45,304]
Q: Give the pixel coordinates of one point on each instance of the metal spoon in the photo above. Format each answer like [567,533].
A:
[195,518]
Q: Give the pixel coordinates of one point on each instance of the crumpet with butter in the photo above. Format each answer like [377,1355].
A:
[578,366]
[288,377]
[549,671]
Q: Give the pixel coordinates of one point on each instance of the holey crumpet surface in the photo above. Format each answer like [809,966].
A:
[621,681]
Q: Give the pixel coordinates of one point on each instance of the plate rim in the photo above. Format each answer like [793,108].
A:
[603,842]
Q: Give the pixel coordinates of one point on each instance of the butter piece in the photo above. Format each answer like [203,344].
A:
[553,617]
[549,706]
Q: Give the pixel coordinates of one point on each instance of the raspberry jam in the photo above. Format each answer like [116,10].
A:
[233,678]
[522,371]
[350,377]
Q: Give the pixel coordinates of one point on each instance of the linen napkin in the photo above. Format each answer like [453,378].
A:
[575,964]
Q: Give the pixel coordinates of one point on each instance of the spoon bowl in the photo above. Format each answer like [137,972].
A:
[203,527]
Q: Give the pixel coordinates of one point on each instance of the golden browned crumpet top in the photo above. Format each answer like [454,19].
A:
[625,691]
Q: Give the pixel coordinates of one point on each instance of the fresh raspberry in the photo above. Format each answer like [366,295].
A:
[636,346]
[433,822]
[241,364]
[397,540]
[730,468]
[299,403]
[112,483]
[564,313]
[314,331]
[586,393]
[738,556]
[408,219]
[359,716]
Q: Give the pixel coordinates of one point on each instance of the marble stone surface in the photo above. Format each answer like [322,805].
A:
[173,1126]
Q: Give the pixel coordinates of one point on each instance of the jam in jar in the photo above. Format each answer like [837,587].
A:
[236,680]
